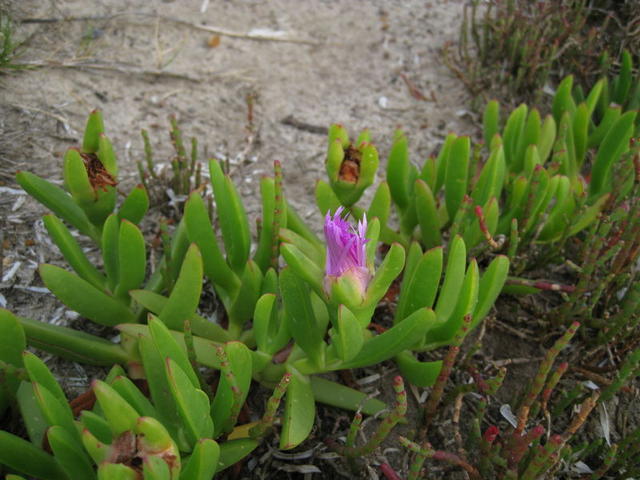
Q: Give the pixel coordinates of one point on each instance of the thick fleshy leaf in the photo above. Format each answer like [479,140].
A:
[490,121]
[387,272]
[270,331]
[512,132]
[421,374]
[613,146]
[303,266]
[419,287]
[193,403]
[491,178]
[380,206]
[168,347]
[232,451]
[203,462]
[69,453]
[107,155]
[563,100]
[97,426]
[12,344]
[300,316]
[299,411]
[245,301]
[120,415]
[72,252]
[547,138]
[240,364]
[185,296]
[201,232]
[326,199]
[34,420]
[133,396]
[454,275]
[232,217]
[92,131]
[55,411]
[456,175]
[530,133]
[132,259]
[110,243]
[200,326]
[341,396]
[58,201]
[135,206]
[28,459]
[398,171]
[84,298]
[116,471]
[428,218]
[347,336]
[40,373]
[467,299]
[490,286]
[402,336]
[74,345]
[155,468]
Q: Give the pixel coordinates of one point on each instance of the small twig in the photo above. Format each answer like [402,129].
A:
[126,69]
[290,121]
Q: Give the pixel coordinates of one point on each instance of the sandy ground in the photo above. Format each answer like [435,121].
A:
[365,64]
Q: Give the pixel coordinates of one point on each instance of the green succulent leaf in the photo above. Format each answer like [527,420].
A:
[490,121]
[116,471]
[135,206]
[456,175]
[132,259]
[240,363]
[421,374]
[428,218]
[84,298]
[133,396]
[201,232]
[72,252]
[453,279]
[420,285]
[490,286]
[28,459]
[341,396]
[58,201]
[185,296]
[92,131]
[613,146]
[232,217]
[300,316]
[69,453]
[232,451]
[155,303]
[120,415]
[299,411]
[12,344]
[193,403]
[326,199]
[402,336]
[203,462]
[347,337]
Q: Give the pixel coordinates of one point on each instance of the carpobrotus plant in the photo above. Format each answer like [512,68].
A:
[309,317]
[120,433]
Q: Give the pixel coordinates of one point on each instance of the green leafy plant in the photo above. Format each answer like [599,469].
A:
[125,434]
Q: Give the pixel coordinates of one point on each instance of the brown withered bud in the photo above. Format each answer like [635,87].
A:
[98,175]
[350,167]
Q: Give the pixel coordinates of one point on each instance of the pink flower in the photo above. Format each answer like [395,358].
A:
[346,253]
